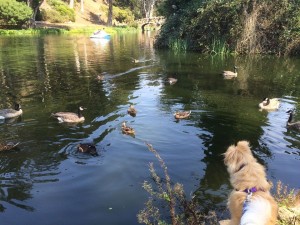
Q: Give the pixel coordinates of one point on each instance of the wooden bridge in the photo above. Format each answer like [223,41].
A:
[154,21]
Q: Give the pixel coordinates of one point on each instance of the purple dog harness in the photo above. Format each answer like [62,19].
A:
[249,192]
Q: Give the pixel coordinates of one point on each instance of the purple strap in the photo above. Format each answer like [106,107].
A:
[252,190]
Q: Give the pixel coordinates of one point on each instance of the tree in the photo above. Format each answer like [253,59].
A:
[71,4]
[82,6]
[14,13]
[110,12]
[148,6]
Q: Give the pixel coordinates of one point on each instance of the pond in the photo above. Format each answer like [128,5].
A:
[46,179]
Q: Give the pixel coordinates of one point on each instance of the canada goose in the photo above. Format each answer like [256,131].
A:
[269,104]
[8,146]
[290,124]
[182,114]
[131,110]
[11,113]
[69,117]
[127,130]
[229,74]
[87,148]
[172,80]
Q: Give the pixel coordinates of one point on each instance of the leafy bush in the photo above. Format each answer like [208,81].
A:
[241,26]
[14,13]
[59,13]
[123,15]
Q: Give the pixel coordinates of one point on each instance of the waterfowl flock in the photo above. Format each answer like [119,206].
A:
[268,104]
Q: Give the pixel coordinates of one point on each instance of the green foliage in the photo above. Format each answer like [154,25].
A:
[13,13]
[123,15]
[241,26]
[59,13]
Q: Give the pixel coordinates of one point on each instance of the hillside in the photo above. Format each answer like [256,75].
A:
[91,16]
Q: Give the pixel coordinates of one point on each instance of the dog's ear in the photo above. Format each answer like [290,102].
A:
[231,159]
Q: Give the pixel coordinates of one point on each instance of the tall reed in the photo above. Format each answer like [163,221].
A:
[219,47]
[178,45]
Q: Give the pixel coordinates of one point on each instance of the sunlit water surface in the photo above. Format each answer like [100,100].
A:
[46,181]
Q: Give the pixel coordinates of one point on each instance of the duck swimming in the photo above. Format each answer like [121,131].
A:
[127,130]
[70,117]
[229,74]
[87,148]
[172,80]
[269,104]
[290,124]
[182,114]
[8,146]
[131,110]
[11,113]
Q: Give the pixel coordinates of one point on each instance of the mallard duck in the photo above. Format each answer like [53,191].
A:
[172,80]
[127,130]
[290,124]
[229,74]
[8,146]
[131,110]
[69,117]
[269,104]
[11,113]
[182,114]
[87,148]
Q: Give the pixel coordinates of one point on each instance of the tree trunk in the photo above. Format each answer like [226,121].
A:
[110,12]
[71,5]
[81,6]
[35,10]
[148,7]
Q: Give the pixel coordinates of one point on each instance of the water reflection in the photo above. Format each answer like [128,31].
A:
[58,73]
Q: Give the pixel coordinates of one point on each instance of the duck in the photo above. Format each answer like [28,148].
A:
[269,104]
[100,77]
[131,110]
[70,117]
[229,74]
[172,80]
[290,124]
[182,114]
[136,60]
[127,130]
[87,148]
[8,146]
[11,113]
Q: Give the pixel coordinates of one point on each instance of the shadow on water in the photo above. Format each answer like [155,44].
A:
[59,73]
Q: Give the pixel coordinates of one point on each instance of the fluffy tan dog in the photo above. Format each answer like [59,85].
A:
[248,179]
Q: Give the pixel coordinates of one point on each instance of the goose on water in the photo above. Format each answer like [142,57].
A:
[70,117]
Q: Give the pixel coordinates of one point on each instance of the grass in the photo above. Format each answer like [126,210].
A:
[63,30]
[166,195]
[287,200]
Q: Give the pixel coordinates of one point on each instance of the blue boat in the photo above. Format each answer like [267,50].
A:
[100,34]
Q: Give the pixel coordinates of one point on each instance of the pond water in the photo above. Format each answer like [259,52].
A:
[47,180]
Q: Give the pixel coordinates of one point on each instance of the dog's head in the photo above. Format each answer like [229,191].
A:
[238,156]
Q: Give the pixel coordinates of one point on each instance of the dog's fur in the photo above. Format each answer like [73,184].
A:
[245,173]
